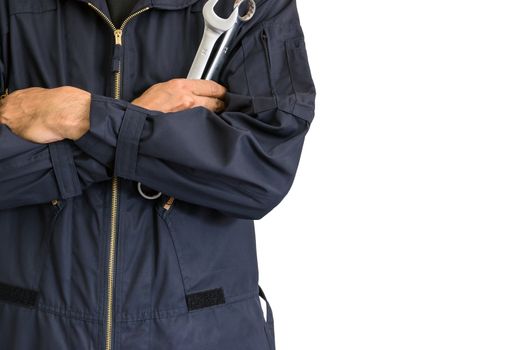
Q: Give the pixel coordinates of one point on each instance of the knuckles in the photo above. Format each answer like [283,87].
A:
[188,102]
[178,84]
[181,94]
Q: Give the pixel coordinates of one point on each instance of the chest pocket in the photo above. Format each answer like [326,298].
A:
[31,6]
[35,34]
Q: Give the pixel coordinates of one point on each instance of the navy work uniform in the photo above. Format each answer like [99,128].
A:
[88,263]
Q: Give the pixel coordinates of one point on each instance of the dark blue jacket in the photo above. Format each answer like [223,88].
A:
[85,261]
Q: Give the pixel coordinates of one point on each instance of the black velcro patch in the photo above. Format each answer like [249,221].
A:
[18,295]
[205,299]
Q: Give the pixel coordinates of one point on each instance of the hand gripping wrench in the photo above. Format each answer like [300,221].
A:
[214,27]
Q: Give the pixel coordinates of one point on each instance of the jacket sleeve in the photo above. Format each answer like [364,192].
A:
[32,173]
[242,161]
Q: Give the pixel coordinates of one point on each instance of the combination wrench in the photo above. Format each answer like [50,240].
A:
[213,70]
[214,27]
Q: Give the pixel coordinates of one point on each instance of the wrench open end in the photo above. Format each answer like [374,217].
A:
[215,22]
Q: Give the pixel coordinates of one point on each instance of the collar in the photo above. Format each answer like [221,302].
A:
[170,4]
[160,4]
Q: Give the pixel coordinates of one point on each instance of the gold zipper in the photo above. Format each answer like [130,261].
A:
[117,32]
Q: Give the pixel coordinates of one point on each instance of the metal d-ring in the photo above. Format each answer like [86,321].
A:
[139,187]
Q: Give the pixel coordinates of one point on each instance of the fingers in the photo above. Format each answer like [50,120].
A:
[207,88]
[211,103]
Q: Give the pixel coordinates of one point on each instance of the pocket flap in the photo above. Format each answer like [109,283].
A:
[31,6]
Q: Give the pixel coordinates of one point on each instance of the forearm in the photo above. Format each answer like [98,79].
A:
[34,172]
[228,161]
[241,161]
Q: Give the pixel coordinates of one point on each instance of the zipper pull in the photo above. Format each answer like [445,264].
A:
[169,203]
[118,37]
[117,51]
[266,45]
[4,95]
[115,61]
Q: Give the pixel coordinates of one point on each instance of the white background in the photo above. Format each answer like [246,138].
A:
[405,226]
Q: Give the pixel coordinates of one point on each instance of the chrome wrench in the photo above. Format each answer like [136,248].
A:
[214,27]
[212,73]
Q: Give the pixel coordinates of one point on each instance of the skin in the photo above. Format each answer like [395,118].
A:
[43,115]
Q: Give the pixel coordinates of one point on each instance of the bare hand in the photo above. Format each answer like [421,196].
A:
[180,94]
[47,115]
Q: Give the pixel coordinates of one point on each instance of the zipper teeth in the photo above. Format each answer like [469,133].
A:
[169,203]
[111,263]
[106,18]
[264,37]
[114,194]
[117,85]
[265,42]
[133,15]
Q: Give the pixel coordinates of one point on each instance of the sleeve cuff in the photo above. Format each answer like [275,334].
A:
[65,169]
[100,141]
[114,134]
[128,143]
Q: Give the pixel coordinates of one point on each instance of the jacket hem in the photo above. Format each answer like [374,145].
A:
[136,316]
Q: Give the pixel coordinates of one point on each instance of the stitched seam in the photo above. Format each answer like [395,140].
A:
[32,11]
[66,314]
[57,312]
[175,312]
[23,162]
[290,71]
[171,232]
[153,314]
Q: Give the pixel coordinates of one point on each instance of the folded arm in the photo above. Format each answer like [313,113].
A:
[241,161]
[37,162]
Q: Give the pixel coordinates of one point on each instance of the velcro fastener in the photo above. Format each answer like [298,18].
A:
[18,295]
[204,299]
